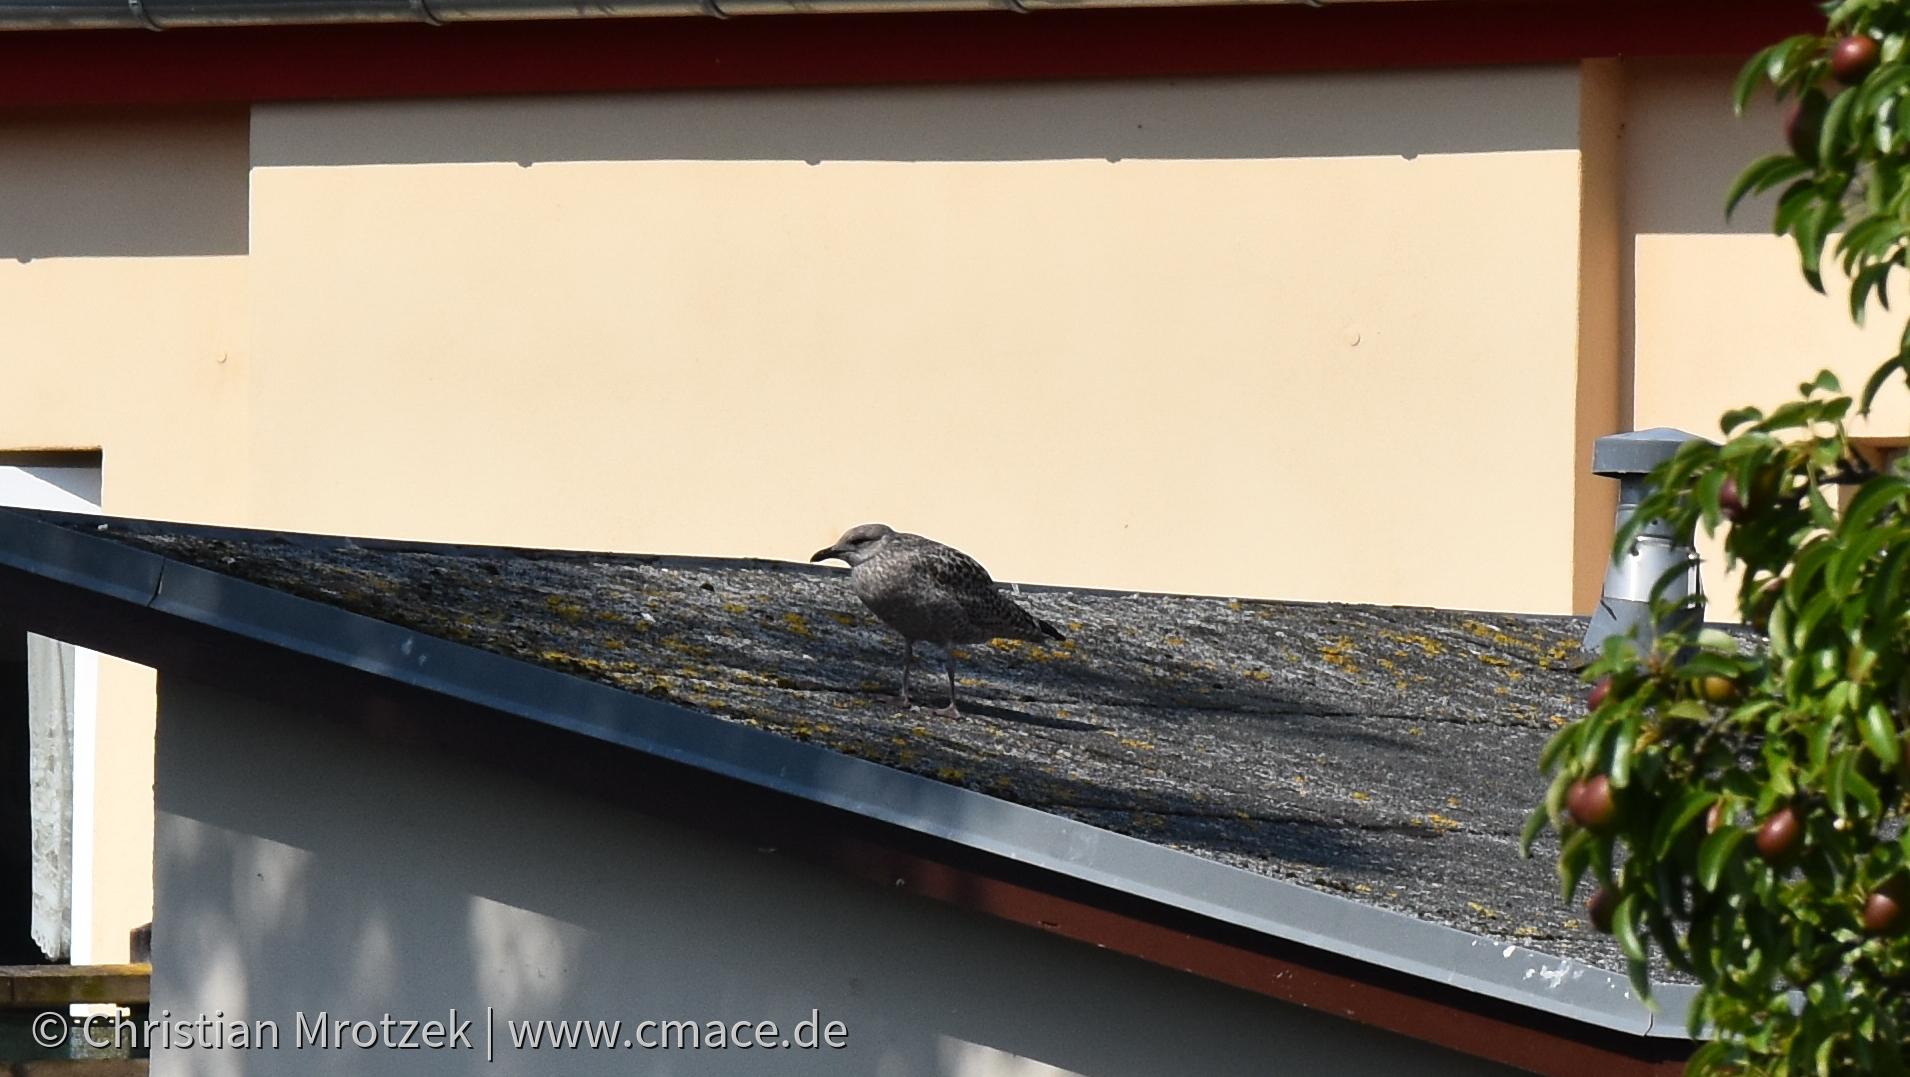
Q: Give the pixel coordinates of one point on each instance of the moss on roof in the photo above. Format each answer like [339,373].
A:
[1383,753]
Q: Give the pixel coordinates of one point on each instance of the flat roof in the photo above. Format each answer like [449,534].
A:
[1347,779]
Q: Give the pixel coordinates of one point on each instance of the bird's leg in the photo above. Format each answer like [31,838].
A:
[908,659]
[950,711]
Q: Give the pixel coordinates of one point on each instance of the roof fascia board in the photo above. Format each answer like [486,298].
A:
[285,63]
[187,14]
[223,608]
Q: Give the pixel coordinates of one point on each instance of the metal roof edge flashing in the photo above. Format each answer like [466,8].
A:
[1101,858]
[65,555]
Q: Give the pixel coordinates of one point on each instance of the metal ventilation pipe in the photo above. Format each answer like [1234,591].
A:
[1625,606]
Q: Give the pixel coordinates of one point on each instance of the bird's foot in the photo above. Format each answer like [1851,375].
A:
[950,711]
[903,702]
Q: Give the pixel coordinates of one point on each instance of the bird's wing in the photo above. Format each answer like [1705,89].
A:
[962,577]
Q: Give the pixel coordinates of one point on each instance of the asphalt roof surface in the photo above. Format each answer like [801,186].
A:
[1387,754]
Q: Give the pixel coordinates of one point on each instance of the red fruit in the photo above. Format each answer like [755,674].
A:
[1852,58]
[1596,697]
[1805,125]
[1600,909]
[1729,501]
[1780,835]
[1883,910]
[1590,803]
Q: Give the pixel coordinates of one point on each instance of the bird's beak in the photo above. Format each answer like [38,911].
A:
[824,555]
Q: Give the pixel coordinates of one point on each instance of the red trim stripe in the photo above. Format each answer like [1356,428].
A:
[122,67]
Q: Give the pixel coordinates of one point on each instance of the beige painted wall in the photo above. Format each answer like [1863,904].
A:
[1238,337]
[122,328]
[1272,336]
[1723,317]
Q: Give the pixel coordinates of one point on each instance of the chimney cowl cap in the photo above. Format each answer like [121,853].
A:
[1636,452]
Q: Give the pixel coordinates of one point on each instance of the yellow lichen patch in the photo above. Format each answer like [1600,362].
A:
[951,774]
[1525,931]
[1361,796]
[1233,603]
[1416,731]
[1441,822]
[842,618]
[1140,744]
[1431,646]
[1259,674]
[1493,660]
[1174,641]
[796,623]
[1482,910]
[735,607]
[1340,653]
[565,608]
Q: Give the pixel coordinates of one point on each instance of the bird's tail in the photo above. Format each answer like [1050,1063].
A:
[1048,629]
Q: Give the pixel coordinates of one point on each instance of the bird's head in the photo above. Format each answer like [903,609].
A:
[856,545]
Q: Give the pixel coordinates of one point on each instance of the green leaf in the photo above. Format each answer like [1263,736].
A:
[1535,821]
[1574,855]
[1737,417]
[1672,824]
[1872,498]
[1621,758]
[1715,854]
[1876,380]
[1639,973]
[1761,176]
[1880,735]
[1625,929]
[1860,789]
[1754,72]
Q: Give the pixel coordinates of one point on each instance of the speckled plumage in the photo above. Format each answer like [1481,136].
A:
[927,591]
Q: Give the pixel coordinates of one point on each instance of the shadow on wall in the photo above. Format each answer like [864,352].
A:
[91,185]
[302,869]
[1683,147]
[1395,113]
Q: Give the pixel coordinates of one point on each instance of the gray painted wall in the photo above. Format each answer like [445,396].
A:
[301,868]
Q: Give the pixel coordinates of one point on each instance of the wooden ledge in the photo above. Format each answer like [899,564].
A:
[40,985]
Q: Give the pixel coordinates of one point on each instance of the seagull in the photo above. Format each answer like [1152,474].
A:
[928,591]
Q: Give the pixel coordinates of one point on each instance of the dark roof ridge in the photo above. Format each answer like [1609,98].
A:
[324,541]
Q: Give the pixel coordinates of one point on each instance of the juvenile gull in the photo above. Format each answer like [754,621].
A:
[928,591]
